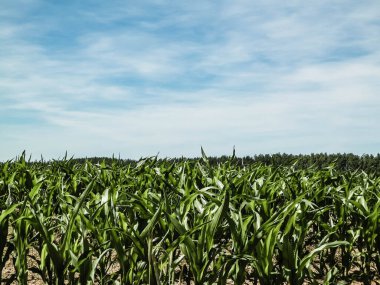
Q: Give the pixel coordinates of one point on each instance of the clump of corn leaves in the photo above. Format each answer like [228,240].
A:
[165,222]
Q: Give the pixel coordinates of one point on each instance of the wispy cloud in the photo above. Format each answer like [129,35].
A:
[157,77]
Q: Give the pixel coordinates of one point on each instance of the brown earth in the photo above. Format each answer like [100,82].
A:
[8,276]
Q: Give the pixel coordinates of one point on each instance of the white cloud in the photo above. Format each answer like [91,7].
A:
[298,78]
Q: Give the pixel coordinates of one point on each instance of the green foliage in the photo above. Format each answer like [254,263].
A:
[169,221]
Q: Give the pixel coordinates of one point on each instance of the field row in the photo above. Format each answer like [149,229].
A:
[163,222]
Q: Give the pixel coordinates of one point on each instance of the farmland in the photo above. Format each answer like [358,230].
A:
[188,221]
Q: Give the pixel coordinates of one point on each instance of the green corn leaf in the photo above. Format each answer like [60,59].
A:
[305,262]
[7,212]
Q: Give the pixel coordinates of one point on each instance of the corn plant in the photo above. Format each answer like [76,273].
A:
[187,221]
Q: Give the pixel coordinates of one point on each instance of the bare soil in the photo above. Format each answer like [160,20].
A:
[8,276]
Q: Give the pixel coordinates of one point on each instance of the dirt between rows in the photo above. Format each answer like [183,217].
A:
[8,274]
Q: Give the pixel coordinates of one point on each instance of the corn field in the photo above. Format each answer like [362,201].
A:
[165,222]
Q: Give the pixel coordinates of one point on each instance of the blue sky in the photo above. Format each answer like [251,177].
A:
[137,78]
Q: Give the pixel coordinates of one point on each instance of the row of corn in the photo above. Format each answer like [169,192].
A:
[160,222]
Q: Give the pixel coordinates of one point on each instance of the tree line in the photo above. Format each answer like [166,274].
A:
[342,161]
